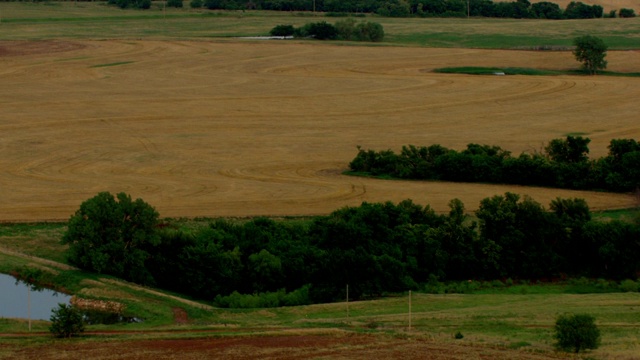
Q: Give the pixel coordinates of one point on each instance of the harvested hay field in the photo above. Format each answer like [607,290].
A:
[275,347]
[232,128]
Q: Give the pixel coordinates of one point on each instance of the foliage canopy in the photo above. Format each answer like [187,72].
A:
[590,51]
[113,235]
[66,321]
[576,332]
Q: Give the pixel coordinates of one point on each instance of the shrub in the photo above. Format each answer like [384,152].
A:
[458,335]
[213,4]
[627,13]
[576,332]
[282,30]
[66,321]
[346,28]
[369,31]
[321,31]
[265,299]
[196,4]
[629,286]
[141,4]
[174,3]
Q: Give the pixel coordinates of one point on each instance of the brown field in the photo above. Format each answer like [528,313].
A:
[285,347]
[200,128]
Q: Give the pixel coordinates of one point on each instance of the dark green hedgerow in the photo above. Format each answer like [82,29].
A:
[564,164]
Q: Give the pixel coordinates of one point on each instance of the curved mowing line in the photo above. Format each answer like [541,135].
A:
[112,64]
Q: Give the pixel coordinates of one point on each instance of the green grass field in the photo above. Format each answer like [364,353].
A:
[67,20]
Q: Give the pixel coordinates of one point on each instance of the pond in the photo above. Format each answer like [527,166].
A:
[14,300]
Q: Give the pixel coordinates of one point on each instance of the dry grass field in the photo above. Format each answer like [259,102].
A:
[233,128]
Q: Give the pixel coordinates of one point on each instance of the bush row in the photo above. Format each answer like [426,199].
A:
[375,248]
[401,8]
[381,248]
[347,29]
[564,164]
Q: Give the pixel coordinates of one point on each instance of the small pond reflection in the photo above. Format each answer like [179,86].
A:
[14,300]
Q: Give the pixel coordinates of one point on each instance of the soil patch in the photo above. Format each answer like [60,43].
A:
[22,48]
[180,316]
[349,346]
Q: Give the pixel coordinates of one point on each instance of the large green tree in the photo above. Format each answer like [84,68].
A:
[590,51]
[113,235]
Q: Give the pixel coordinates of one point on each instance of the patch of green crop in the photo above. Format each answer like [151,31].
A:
[112,64]
[477,70]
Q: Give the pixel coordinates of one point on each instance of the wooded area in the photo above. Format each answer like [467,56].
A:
[376,248]
[563,164]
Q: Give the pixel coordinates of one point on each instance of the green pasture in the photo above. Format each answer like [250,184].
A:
[96,20]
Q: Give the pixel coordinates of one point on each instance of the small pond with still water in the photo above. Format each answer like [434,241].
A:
[14,300]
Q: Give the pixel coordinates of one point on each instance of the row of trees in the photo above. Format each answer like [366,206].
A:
[375,248]
[131,4]
[519,9]
[347,29]
[442,8]
[564,164]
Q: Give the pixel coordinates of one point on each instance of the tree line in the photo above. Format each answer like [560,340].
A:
[520,9]
[375,248]
[563,164]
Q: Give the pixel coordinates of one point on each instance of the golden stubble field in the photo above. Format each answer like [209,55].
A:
[232,128]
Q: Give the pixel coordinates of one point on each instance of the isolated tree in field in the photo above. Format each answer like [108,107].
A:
[66,321]
[113,235]
[590,51]
[576,332]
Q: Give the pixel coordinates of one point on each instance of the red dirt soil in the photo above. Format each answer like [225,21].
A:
[272,347]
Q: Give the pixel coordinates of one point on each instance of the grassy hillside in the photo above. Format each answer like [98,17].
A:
[517,319]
